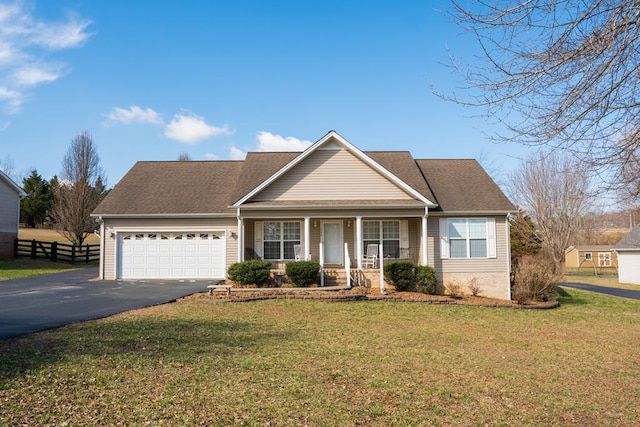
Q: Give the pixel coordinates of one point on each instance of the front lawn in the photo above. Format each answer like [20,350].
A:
[608,278]
[15,268]
[201,361]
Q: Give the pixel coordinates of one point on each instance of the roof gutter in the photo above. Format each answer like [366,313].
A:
[172,215]
[450,213]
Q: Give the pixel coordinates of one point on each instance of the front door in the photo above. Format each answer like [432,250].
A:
[332,238]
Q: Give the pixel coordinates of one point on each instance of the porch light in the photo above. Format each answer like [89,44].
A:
[315,224]
[349,224]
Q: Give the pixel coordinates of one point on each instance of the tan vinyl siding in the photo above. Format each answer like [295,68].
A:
[491,273]
[332,175]
[348,233]
[168,225]
[468,264]
[8,209]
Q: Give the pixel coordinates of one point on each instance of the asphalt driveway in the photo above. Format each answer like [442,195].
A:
[42,302]
[624,293]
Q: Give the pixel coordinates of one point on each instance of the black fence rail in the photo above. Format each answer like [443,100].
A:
[54,251]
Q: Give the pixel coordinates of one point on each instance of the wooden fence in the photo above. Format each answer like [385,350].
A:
[55,251]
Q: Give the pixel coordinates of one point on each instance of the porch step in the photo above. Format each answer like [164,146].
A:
[338,277]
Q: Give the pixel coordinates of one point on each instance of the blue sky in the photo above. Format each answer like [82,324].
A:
[214,79]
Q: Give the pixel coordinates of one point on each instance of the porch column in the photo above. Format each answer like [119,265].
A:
[240,239]
[359,241]
[307,238]
[423,242]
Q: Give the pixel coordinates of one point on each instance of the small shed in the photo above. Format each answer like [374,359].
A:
[10,194]
[628,251]
[593,256]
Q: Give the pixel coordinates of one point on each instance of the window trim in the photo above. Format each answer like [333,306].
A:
[490,237]
[260,240]
[403,235]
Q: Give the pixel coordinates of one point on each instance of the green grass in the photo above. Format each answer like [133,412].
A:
[608,278]
[46,235]
[278,362]
[15,268]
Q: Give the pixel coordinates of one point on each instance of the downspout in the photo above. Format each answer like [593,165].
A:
[425,254]
[101,268]
[508,227]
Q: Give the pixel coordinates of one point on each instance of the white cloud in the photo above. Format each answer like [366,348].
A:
[134,114]
[190,129]
[24,41]
[33,75]
[211,156]
[72,33]
[270,142]
[236,153]
[12,99]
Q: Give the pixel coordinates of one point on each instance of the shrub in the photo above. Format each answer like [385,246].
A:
[303,273]
[426,280]
[453,288]
[401,274]
[253,272]
[535,279]
[474,288]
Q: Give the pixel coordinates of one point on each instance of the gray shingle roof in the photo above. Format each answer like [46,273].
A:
[173,187]
[210,187]
[630,241]
[462,185]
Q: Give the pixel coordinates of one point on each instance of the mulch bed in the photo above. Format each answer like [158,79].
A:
[369,294]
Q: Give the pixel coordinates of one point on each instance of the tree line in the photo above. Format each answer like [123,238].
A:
[65,202]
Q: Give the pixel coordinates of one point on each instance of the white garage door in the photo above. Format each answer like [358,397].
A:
[192,255]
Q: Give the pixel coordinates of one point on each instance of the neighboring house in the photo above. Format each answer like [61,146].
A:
[193,219]
[10,194]
[594,256]
[628,250]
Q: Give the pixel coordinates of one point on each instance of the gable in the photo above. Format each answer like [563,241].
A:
[332,173]
[8,184]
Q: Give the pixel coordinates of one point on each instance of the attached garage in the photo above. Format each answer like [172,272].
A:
[171,255]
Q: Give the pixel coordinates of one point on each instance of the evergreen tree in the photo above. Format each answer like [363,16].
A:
[35,207]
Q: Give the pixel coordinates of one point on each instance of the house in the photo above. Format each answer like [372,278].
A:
[628,250]
[194,219]
[10,194]
[593,256]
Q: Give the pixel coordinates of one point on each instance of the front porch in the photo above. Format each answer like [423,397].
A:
[343,246]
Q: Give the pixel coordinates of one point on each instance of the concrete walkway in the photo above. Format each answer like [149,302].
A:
[42,302]
[624,293]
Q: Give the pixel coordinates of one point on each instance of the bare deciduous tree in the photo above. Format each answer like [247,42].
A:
[184,157]
[554,190]
[563,74]
[77,194]
[8,166]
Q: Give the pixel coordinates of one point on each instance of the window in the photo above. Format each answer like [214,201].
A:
[587,256]
[604,259]
[467,238]
[390,232]
[279,238]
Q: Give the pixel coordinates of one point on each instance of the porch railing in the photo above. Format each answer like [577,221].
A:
[321,264]
[347,264]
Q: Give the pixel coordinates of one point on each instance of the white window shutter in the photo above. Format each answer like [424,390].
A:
[491,238]
[258,232]
[444,238]
[404,235]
